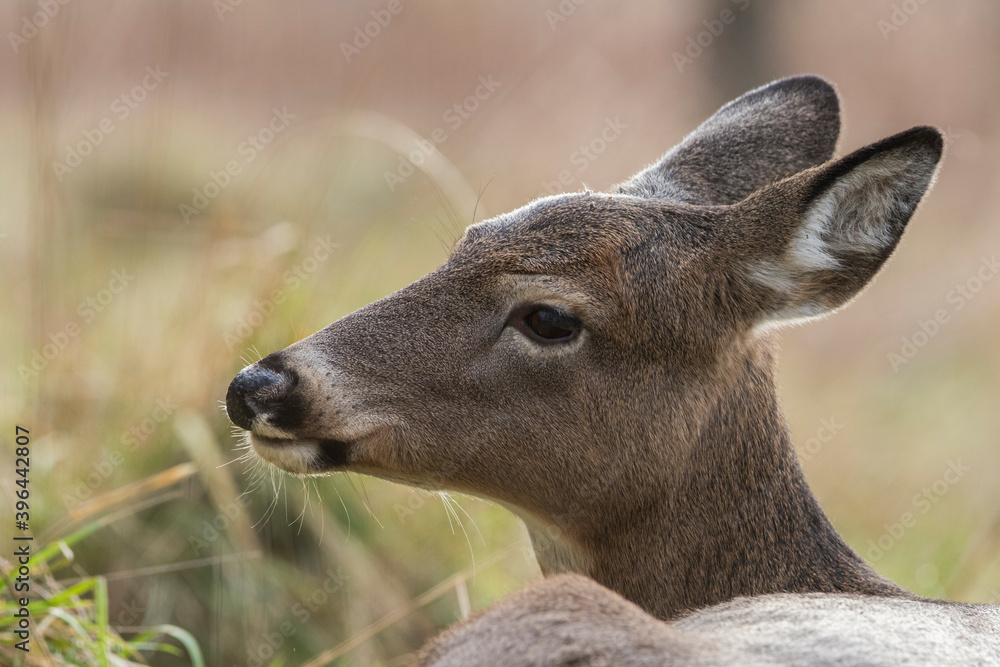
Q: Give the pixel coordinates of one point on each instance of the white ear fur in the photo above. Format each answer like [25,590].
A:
[852,225]
[860,211]
[806,252]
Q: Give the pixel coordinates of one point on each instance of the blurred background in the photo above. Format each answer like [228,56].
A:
[187,186]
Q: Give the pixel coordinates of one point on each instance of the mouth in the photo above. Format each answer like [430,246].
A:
[302,457]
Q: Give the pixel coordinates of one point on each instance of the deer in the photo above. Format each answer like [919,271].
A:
[602,364]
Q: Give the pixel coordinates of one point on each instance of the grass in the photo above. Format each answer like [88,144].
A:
[258,571]
[69,624]
[233,564]
[159,546]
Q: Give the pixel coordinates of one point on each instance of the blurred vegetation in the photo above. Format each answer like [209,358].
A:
[270,570]
[73,620]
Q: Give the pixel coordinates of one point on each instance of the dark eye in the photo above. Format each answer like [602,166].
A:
[550,325]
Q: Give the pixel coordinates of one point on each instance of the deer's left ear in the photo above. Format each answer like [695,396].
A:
[813,241]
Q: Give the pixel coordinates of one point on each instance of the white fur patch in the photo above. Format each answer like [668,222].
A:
[555,551]
[858,214]
[838,629]
[774,275]
[262,427]
[808,251]
[854,213]
[292,456]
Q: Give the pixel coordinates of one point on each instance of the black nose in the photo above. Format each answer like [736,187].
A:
[254,389]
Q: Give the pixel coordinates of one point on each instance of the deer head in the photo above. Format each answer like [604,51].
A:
[601,363]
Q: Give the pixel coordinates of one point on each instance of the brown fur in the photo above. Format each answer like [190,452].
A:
[649,453]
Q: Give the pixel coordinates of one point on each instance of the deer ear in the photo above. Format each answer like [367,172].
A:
[762,136]
[819,237]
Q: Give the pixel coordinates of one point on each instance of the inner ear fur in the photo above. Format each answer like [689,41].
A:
[812,242]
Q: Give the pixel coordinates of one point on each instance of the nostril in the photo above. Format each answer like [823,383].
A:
[256,387]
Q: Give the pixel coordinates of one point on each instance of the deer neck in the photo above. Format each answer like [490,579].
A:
[740,521]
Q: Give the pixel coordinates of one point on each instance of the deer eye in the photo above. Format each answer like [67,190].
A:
[548,325]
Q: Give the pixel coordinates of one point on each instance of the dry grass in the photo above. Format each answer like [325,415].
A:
[243,572]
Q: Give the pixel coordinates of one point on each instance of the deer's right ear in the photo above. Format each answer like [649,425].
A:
[760,137]
[810,243]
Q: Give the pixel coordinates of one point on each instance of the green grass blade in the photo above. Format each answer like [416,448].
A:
[101,604]
[181,635]
[52,549]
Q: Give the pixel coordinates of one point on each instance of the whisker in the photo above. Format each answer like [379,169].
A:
[444,245]
[275,489]
[363,500]
[301,518]
[241,457]
[447,511]
[449,211]
[480,197]
[346,511]
[361,481]
[267,511]
[448,501]
[322,512]
[284,495]
[474,525]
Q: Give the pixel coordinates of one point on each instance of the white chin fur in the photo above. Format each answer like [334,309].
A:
[294,456]
[262,428]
